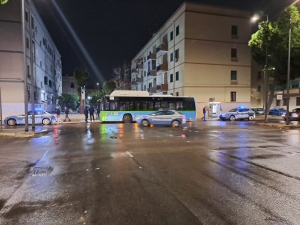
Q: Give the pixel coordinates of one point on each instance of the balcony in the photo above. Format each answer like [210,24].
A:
[152,73]
[139,66]
[162,68]
[162,49]
[133,71]
[153,90]
[140,80]
[162,87]
[139,60]
[151,57]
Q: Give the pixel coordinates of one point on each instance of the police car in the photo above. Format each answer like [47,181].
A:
[238,113]
[162,117]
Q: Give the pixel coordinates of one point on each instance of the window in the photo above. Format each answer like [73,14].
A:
[27,71]
[233,75]
[233,53]
[233,96]
[171,57]
[171,78]
[177,93]
[259,89]
[278,102]
[234,30]
[144,73]
[72,85]
[46,80]
[177,76]
[41,64]
[50,83]
[26,15]
[171,36]
[27,43]
[297,101]
[177,53]
[177,30]
[145,87]
[259,75]
[32,23]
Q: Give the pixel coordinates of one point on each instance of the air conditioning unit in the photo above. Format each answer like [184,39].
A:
[176,59]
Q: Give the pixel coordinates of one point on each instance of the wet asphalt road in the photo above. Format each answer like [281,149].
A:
[203,173]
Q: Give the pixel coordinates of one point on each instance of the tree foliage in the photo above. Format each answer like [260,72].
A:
[2,2]
[122,77]
[108,87]
[68,100]
[81,75]
[273,37]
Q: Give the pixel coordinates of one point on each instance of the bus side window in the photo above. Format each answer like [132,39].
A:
[122,106]
[156,105]
[150,105]
[113,105]
[172,105]
[106,106]
[179,105]
[189,104]
[164,104]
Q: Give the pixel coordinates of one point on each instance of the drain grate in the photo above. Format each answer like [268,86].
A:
[42,171]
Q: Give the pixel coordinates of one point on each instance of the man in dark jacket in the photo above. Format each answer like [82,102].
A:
[67,114]
[86,113]
[204,114]
[92,113]
[57,111]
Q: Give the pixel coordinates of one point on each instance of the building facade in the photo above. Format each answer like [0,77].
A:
[201,51]
[22,31]
[69,85]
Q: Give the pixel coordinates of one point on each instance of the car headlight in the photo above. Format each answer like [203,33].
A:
[294,115]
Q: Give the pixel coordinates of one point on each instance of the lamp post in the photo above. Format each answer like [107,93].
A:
[288,81]
[265,94]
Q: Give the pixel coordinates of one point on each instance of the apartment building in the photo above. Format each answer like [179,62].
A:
[200,51]
[20,31]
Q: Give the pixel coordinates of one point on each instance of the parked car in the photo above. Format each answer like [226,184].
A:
[162,117]
[277,111]
[258,111]
[41,117]
[238,113]
[293,114]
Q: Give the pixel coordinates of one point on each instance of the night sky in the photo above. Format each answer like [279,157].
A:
[113,31]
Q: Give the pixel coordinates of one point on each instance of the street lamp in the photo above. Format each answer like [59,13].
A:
[265,94]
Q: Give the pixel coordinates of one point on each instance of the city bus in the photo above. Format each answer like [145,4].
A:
[126,105]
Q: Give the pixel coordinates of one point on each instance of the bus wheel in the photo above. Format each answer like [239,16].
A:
[127,118]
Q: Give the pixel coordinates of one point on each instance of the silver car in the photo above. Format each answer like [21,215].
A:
[162,117]
[41,117]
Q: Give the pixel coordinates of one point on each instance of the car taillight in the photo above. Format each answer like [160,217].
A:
[182,116]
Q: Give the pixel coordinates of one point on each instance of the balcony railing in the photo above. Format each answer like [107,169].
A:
[151,56]
[140,80]
[162,87]
[162,68]
[152,73]
[162,49]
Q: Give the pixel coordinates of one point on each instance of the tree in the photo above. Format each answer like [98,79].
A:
[96,95]
[2,2]
[122,77]
[68,100]
[81,75]
[274,36]
[108,87]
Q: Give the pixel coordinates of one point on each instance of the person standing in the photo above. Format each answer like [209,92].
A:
[98,112]
[67,114]
[92,118]
[204,114]
[57,114]
[86,113]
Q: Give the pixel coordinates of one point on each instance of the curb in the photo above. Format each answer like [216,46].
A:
[24,134]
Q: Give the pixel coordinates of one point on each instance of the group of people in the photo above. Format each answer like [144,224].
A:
[87,111]
[91,111]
